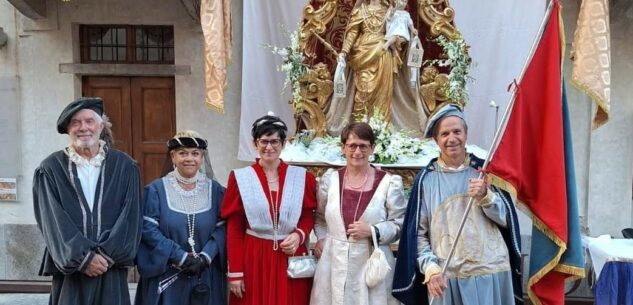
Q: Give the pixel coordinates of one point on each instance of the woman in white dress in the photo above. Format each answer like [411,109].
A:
[353,201]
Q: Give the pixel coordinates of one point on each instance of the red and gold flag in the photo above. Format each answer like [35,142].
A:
[534,163]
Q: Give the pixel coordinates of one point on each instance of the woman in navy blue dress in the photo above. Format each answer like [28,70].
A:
[182,258]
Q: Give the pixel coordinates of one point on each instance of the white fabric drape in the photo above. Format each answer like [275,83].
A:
[500,34]
[261,82]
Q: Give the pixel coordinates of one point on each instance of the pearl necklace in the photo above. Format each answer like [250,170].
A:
[183,180]
[275,217]
[272,181]
[191,219]
[275,208]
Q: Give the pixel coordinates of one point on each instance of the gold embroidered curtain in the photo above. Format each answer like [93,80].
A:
[215,18]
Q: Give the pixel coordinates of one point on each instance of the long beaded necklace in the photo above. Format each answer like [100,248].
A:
[362,190]
[275,211]
[191,217]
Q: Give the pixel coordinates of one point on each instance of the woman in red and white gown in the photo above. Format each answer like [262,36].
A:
[269,208]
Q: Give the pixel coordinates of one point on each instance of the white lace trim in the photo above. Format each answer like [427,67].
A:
[195,201]
[81,161]
[171,178]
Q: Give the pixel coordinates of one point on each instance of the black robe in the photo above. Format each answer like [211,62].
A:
[74,234]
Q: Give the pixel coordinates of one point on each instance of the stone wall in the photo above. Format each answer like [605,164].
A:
[21,252]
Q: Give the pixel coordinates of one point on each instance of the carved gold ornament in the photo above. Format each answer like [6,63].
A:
[315,21]
[316,89]
[440,20]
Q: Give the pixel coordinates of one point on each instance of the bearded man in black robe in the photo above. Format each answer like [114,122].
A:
[87,206]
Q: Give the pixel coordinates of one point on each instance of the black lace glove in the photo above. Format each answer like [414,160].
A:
[189,261]
[196,265]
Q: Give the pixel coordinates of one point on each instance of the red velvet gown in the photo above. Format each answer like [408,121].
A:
[253,259]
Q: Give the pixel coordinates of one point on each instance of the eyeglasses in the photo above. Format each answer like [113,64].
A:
[352,147]
[265,143]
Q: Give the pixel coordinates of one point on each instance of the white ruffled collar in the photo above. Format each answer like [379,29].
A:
[79,160]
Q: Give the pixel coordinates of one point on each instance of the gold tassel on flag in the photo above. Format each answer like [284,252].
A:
[215,18]
[591,56]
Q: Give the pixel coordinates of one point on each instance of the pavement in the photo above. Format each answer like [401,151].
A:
[39,298]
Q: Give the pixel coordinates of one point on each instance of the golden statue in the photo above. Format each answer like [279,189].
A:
[374,69]
[375,77]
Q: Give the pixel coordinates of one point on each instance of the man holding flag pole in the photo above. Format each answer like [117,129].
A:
[529,163]
[486,257]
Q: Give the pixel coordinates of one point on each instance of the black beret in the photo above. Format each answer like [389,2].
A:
[188,142]
[92,103]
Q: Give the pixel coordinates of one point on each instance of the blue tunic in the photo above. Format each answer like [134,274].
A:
[164,243]
[407,284]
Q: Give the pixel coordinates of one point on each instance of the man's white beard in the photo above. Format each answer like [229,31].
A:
[85,144]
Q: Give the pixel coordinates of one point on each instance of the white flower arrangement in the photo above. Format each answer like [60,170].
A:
[293,65]
[393,148]
[460,63]
[392,145]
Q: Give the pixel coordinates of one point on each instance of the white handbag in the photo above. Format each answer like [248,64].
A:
[301,266]
[377,266]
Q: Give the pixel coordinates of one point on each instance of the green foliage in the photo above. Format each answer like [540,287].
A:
[460,63]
